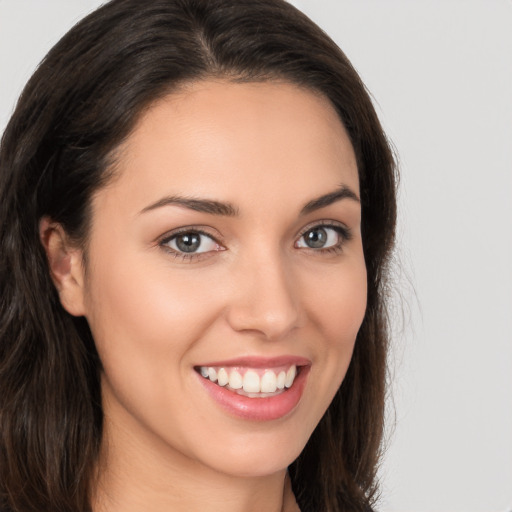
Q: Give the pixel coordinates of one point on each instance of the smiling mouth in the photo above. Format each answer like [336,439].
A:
[252,382]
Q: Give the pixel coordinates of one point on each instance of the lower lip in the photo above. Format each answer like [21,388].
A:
[259,409]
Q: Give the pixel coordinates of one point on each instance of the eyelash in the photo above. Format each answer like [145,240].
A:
[188,257]
[342,231]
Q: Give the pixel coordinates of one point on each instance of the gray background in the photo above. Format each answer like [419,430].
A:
[441,76]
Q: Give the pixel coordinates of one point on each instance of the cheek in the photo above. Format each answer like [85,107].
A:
[337,308]
[338,303]
[146,322]
[141,318]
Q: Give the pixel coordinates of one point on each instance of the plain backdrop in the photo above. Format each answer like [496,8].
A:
[440,72]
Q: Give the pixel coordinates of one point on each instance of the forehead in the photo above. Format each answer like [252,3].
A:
[235,142]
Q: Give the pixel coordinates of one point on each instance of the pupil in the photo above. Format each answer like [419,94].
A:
[188,242]
[316,238]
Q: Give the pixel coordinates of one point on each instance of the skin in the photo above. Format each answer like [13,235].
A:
[267,149]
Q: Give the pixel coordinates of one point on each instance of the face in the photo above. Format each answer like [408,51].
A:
[226,281]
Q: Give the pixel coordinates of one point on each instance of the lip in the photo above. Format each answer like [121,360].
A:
[260,362]
[264,408]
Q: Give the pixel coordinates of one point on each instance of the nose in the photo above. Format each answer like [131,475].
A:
[264,299]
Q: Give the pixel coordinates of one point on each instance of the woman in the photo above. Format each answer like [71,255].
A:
[197,207]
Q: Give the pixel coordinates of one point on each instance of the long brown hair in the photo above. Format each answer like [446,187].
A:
[58,147]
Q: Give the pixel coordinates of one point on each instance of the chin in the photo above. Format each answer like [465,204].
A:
[258,454]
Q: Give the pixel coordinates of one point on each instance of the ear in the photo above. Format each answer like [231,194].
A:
[66,266]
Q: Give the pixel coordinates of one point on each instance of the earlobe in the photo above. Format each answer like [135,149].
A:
[65,265]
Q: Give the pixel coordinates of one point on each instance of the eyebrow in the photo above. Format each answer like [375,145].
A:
[227,209]
[343,192]
[199,205]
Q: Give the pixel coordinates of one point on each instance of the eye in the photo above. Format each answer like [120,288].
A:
[323,237]
[191,242]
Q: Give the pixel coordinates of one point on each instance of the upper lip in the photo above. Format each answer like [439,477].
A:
[261,362]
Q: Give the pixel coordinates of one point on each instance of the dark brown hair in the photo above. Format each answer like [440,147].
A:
[80,104]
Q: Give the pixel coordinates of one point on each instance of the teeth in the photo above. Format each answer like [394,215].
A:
[268,382]
[235,380]
[222,377]
[290,376]
[251,382]
[280,380]
[212,374]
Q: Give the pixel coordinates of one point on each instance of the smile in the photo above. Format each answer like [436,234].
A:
[252,382]
[256,389]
